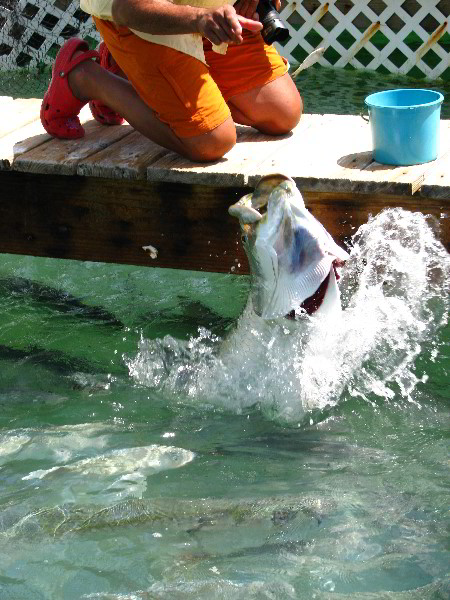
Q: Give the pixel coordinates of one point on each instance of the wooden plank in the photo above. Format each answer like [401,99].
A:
[126,159]
[344,213]
[325,153]
[335,155]
[323,156]
[93,218]
[378,178]
[18,113]
[413,176]
[437,183]
[24,139]
[230,170]
[20,141]
[61,157]
[28,137]
[251,149]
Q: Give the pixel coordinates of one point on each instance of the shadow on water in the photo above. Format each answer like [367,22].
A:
[25,290]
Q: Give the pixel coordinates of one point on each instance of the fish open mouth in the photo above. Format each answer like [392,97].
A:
[291,255]
[311,304]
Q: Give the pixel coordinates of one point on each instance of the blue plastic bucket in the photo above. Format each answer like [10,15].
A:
[405,126]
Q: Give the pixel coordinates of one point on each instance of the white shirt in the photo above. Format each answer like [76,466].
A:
[188,43]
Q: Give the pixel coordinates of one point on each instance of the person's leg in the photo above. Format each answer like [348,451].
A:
[169,96]
[254,81]
[101,112]
[275,108]
[172,100]
[89,81]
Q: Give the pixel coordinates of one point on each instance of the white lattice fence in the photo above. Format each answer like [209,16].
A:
[397,36]
[32,31]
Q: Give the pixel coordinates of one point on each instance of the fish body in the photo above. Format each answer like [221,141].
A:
[310,60]
[186,515]
[293,259]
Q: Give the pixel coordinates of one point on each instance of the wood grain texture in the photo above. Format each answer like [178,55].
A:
[343,213]
[20,141]
[327,153]
[252,148]
[98,219]
[128,158]
[17,113]
[61,157]
[107,220]
[107,196]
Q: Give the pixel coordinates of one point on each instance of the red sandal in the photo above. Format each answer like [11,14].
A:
[102,113]
[60,108]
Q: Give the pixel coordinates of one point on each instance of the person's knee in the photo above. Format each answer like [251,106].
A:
[213,145]
[284,120]
[292,115]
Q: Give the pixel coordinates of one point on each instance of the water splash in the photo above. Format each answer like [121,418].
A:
[395,291]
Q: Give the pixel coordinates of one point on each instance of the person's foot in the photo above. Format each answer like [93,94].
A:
[102,113]
[63,101]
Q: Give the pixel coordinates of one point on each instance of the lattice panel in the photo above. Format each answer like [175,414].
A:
[32,31]
[396,36]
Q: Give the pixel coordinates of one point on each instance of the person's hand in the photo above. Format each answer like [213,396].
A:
[224,25]
[247,8]
[276,4]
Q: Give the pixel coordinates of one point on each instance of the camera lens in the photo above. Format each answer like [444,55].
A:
[274,30]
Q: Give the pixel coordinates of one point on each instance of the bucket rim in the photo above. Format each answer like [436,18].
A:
[439,98]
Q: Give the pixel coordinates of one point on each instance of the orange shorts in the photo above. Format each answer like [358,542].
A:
[188,95]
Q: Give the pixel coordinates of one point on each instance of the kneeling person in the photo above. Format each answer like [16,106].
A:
[182,75]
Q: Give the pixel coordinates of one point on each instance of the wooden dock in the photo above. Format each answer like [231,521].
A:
[109,195]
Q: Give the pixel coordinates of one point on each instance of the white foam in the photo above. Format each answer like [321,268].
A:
[395,292]
[10,444]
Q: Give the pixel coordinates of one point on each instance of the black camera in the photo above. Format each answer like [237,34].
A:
[274,30]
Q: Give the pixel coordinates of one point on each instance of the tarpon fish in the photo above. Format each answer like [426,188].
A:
[187,515]
[293,260]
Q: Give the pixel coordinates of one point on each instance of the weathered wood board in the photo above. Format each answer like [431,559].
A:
[19,112]
[251,149]
[325,153]
[93,218]
[61,157]
[437,182]
[126,159]
[110,220]
[108,195]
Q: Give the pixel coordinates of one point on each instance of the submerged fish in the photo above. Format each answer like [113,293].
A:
[293,259]
[185,515]
[123,461]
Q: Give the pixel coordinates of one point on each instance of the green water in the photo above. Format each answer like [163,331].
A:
[139,460]
[342,92]
[324,90]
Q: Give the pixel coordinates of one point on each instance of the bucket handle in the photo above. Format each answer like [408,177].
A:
[364,117]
